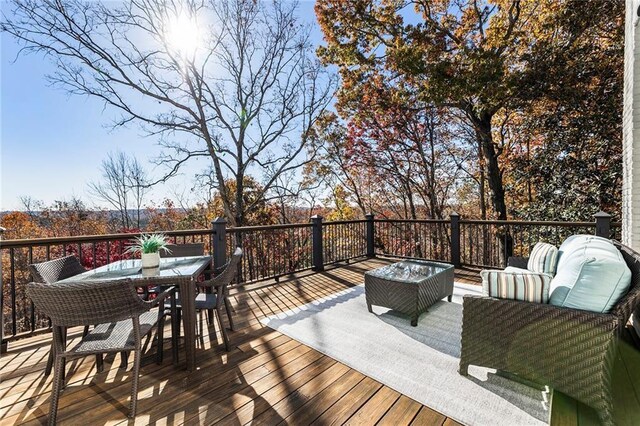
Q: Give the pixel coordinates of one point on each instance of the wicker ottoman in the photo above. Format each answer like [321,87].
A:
[409,287]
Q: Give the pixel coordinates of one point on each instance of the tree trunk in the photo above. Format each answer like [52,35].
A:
[482,125]
[481,183]
[494,175]
[239,213]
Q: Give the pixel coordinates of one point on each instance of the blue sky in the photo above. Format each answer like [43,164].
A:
[52,143]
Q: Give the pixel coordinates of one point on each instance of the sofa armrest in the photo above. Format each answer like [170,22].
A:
[538,342]
[518,262]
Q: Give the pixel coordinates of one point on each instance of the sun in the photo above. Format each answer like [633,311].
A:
[183,35]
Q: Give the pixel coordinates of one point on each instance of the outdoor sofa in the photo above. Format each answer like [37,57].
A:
[570,350]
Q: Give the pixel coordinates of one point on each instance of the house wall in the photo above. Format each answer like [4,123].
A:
[631,133]
[631,129]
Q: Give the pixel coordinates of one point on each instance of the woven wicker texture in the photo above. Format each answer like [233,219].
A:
[567,349]
[182,250]
[55,270]
[411,299]
[122,316]
[51,272]
[87,303]
[114,337]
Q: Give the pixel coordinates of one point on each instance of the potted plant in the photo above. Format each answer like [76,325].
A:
[149,246]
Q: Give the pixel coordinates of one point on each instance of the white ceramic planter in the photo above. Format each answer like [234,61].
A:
[150,260]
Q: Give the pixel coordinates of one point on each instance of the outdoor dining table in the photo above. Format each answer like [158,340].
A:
[180,271]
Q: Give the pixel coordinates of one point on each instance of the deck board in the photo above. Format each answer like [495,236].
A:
[267,378]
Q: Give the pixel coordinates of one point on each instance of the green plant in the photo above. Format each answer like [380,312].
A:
[149,243]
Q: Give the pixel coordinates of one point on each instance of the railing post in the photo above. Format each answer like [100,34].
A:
[507,242]
[371,249]
[316,243]
[219,243]
[455,238]
[3,344]
[603,224]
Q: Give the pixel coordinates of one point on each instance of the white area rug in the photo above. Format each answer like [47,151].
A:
[420,362]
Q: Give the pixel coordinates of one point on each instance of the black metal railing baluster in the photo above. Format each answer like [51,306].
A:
[12,266]
[31,305]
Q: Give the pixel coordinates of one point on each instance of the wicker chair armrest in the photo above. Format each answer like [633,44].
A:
[215,282]
[518,262]
[167,292]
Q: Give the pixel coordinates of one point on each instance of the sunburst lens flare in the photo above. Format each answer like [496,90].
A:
[183,35]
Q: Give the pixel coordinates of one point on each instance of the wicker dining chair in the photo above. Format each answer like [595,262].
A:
[570,350]
[50,272]
[213,301]
[123,318]
[55,270]
[183,250]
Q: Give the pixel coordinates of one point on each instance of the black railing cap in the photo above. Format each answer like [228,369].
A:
[602,214]
[316,217]
[454,213]
[219,219]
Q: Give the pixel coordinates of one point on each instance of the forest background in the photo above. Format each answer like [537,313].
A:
[500,109]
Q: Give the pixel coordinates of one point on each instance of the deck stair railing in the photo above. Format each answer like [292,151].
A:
[274,251]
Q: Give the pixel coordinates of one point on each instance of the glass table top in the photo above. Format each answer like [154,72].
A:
[169,267]
[409,271]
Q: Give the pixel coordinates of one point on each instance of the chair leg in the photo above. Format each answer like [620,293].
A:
[223,330]
[227,306]
[99,363]
[58,383]
[124,359]
[200,328]
[64,360]
[50,358]
[134,386]
[175,335]
[160,337]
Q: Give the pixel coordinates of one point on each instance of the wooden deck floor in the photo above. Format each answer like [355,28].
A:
[267,378]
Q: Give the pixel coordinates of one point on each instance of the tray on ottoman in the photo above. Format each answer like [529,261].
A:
[409,287]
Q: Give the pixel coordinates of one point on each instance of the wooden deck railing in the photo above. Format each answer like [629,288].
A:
[273,251]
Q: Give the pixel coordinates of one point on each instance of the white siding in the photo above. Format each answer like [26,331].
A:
[631,133]
[631,129]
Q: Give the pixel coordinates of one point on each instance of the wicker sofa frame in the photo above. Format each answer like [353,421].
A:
[570,350]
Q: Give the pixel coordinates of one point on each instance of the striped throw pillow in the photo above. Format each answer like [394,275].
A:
[543,258]
[524,286]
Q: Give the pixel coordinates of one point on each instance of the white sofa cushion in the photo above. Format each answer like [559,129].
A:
[591,274]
